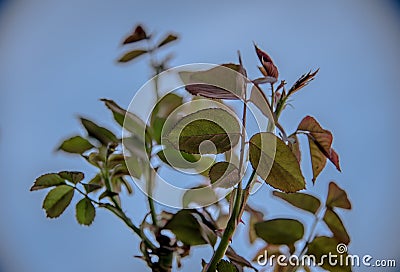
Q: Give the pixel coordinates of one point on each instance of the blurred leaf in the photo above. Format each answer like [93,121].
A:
[126,119]
[294,145]
[205,125]
[136,147]
[335,224]
[137,35]
[168,39]
[278,167]
[89,187]
[57,200]
[76,145]
[225,266]
[95,159]
[321,247]
[114,160]
[337,197]
[188,229]
[270,69]
[200,195]
[107,193]
[222,82]
[237,259]
[255,217]
[72,176]
[280,231]
[85,212]
[101,134]
[224,174]
[268,250]
[46,181]
[126,184]
[300,200]
[132,55]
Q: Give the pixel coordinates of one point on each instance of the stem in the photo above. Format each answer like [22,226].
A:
[317,219]
[271,124]
[237,206]
[150,198]
[120,214]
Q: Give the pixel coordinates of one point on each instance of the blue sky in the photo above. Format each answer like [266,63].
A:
[58,58]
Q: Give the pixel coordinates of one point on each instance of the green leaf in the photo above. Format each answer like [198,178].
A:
[226,266]
[300,200]
[76,145]
[280,231]
[103,135]
[132,55]
[72,176]
[162,111]
[224,174]
[321,247]
[277,166]
[202,196]
[221,82]
[215,125]
[85,212]
[137,35]
[46,181]
[335,224]
[337,197]
[128,120]
[57,200]
[189,229]
[172,153]
[168,39]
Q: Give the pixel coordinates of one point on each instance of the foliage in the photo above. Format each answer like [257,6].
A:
[167,236]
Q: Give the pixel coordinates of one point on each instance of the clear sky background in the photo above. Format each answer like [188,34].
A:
[58,58]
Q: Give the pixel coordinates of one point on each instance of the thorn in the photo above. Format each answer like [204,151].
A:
[241,221]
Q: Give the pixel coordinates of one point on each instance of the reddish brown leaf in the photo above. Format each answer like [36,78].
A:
[337,197]
[137,35]
[322,138]
[210,91]
[303,81]
[334,158]
[318,159]
[268,66]
[226,81]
